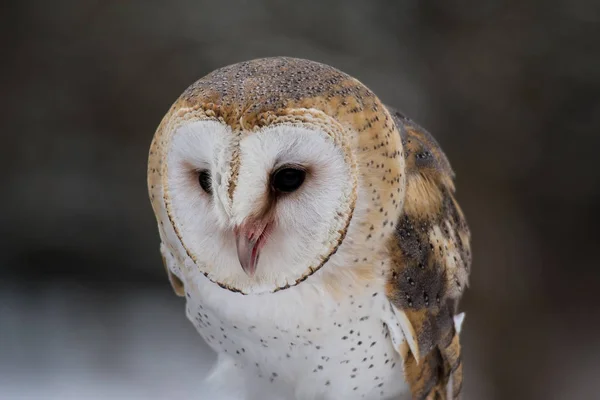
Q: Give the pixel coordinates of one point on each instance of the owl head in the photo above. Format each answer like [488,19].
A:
[262,172]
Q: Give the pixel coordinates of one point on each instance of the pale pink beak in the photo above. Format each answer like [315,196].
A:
[249,239]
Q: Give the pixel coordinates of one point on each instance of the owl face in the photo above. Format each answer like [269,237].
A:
[265,172]
[262,210]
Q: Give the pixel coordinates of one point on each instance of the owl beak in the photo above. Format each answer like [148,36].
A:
[249,239]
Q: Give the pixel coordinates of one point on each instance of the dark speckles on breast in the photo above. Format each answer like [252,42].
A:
[345,348]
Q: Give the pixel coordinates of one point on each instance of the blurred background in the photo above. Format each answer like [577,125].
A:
[509,88]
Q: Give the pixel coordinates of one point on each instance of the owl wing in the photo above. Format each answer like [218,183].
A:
[430,264]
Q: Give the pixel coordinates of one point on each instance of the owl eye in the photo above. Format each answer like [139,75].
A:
[204,180]
[288,179]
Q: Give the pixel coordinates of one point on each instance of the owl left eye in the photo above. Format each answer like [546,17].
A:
[204,180]
[288,179]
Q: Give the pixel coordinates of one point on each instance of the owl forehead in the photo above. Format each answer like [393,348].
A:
[244,95]
[267,83]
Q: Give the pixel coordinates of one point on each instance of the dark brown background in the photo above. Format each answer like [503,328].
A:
[510,89]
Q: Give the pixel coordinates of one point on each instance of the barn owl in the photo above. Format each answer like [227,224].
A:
[314,234]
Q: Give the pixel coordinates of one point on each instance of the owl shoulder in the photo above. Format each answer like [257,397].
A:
[430,264]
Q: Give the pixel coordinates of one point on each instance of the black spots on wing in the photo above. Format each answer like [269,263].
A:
[420,273]
[413,239]
[418,286]
[424,158]
[418,157]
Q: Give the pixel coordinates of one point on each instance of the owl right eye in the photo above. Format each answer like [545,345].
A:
[204,180]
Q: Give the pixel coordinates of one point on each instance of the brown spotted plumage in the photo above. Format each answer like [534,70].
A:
[431,260]
[393,264]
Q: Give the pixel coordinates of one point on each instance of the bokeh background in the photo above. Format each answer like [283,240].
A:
[510,89]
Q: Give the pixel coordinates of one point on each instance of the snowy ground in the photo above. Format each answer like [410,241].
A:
[68,342]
